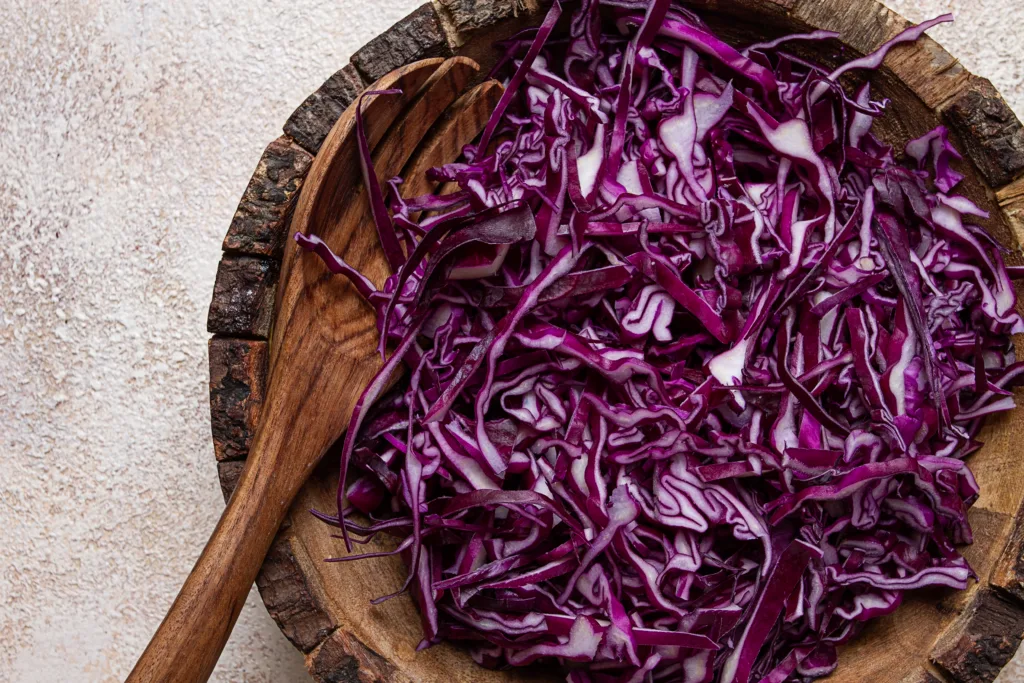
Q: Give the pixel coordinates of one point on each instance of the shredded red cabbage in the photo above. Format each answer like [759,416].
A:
[693,361]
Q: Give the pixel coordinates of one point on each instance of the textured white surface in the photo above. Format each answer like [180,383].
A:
[128,129]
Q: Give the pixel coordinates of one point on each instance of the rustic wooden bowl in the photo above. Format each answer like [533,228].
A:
[324,608]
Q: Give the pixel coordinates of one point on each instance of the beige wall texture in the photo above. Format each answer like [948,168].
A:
[128,130]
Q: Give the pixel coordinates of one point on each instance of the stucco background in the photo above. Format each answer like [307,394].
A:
[128,130]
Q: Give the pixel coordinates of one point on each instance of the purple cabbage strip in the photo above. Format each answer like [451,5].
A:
[378,209]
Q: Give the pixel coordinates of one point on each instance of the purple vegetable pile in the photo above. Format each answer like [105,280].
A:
[692,361]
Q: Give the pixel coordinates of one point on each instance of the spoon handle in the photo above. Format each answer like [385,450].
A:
[188,643]
[322,353]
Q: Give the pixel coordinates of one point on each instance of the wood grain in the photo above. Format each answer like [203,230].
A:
[927,87]
[341,177]
[1011,202]
[440,99]
[458,127]
[344,211]
[921,675]
[1008,572]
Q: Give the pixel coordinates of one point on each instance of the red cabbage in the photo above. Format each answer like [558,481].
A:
[694,360]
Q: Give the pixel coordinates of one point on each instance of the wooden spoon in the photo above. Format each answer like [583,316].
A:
[323,354]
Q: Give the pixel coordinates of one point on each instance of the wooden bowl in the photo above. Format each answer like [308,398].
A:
[323,608]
